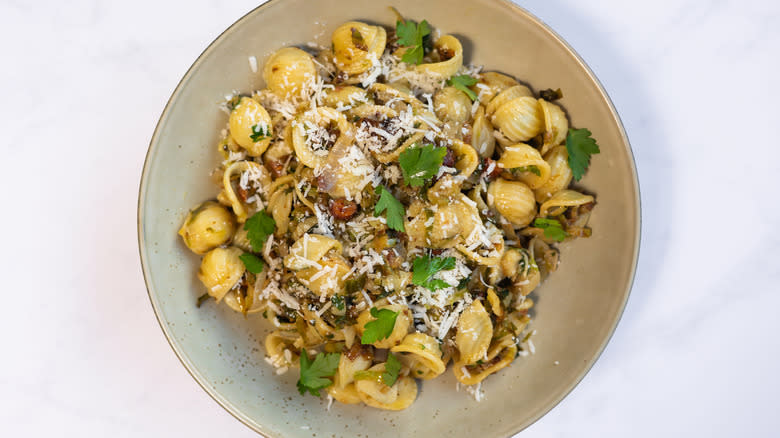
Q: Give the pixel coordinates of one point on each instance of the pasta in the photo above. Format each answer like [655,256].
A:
[390,210]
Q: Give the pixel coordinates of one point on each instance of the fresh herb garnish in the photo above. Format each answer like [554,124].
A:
[550,94]
[392,368]
[533,169]
[258,228]
[552,228]
[260,132]
[381,327]
[392,207]
[355,284]
[315,373]
[580,146]
[357,40]
[425,267]
[462,83]
[421,162]
[202,299]
[337,301]
[411,36]
[253,263]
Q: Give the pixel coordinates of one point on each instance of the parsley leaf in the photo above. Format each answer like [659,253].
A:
[392,368]
[462,83]
[259,132]
[258,228]
[552,228]
[411,36]
[425,267]
[580,146]
[421,162]
[253,263]
[394,209]
[381,327]
[315,373]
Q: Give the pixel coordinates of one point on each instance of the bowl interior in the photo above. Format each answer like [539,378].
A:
[578,307]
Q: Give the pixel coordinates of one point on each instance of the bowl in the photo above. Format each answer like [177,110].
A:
[577,309]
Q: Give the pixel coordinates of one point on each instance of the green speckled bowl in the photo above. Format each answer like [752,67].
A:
[578,307]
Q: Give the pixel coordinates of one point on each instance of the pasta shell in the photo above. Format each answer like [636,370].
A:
[556,125]
[377,395]
[327,278]
[249,118]
[474,333]
[505,96]
[450,52]
[422,354]
[308,250]
[279,347]
[499,357]
[513,200]
[206,227]
[482,138]
[562,200]
[220,270]
[560,174]
[311,135]
[357,46]
[491,83]
[234,172]
[345,97]
[453,107]
[280,204]
[525,162]
[349,365]
[466,158]
[288,72]
[346,394]
[519,119]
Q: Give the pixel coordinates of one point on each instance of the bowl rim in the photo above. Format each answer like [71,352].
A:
[240,415]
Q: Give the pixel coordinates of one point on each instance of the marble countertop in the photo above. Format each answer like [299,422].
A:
[84,82]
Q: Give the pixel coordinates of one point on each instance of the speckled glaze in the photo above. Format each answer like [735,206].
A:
[577,308]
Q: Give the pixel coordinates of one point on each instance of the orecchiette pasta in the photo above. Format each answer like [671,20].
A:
[357,46]
[221,270]
[206,227]
[288,71]
[519,119]
[388,210]
[251,127]
[513,200]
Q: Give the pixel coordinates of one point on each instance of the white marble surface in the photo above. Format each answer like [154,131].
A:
[695,354]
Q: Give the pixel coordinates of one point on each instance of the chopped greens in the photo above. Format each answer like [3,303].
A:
[550,94]
[260,132]
[533,169]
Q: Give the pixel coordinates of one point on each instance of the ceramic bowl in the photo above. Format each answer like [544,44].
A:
[578,307]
